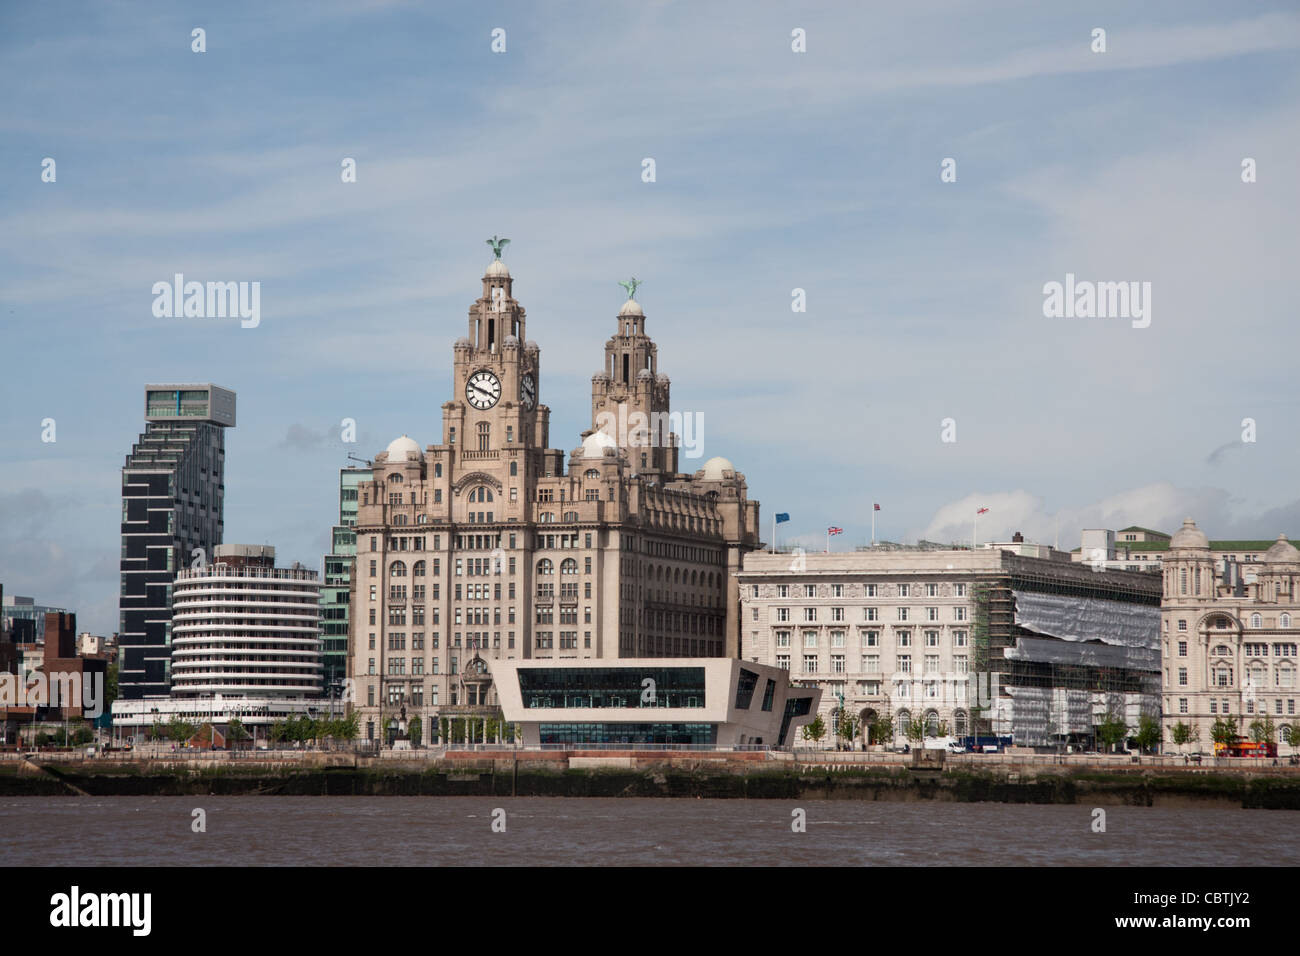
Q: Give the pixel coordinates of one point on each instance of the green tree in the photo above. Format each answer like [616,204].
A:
[915,730]
[1263,730]
[815,729]
[236,732]
[279,732]
[881,729]
[849,726]
[1224,731]
[1183,734]
[110,685]
[1149,734]
[180,730]
[944,729]
[413,729]
[1111,731]
[1293,736]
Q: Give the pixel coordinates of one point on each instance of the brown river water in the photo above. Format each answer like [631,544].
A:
[457,831]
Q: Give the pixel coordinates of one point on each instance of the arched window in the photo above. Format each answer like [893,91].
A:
[398,570]
[1286,620]
[959,723]
[545,566]
[569,566]
[417,570]
[900,724]
[395,479]
[1222,650]
[591,473]
[932,723]
[1256,620]
[437,469]
[514,469]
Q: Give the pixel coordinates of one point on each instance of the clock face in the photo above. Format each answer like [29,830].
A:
[528,391]
[482,390]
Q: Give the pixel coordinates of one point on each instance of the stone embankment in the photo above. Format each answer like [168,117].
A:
[1248,784]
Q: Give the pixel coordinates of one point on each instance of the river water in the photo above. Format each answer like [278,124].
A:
[457,831]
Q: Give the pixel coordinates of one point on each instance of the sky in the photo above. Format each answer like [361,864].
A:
[775,170]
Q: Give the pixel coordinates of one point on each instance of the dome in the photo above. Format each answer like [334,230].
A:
[714,468]
[600,377]
[630,307]
[594,445]
[1189,536]
[498,268]
[645,375]
[662,379]
[463,343]
[511,342]
[1282,551]
[404,449]
[531,346]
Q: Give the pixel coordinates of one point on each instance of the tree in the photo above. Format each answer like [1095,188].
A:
[110,684]
[815,730]
[849,726]
[279,731]
[944,729]
[1263,730]
[1111,731]
[180,730]
[881,730]
[915,730]
[413,729]
[1148,733]
[1224,731]
[1183,734]
[235,732]
[1294,736]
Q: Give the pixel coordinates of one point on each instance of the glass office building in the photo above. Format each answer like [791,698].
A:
[337,579]
[173,489]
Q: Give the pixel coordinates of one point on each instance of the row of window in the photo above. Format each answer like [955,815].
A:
[868,638]
[1221,706]
[871,664]
[1255,622]
[929,589]
[868,614]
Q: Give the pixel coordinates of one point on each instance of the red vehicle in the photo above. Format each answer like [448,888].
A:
[1245,748]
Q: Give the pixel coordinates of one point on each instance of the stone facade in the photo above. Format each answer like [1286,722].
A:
[1229,633]
[488,544]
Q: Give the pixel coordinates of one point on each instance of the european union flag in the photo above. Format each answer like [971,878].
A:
[783,516]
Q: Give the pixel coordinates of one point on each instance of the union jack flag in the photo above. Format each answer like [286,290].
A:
[982,511]
[834,530]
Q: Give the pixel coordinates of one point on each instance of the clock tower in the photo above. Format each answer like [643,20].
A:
[496,378]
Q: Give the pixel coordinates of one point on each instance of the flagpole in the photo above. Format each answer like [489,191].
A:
[873,524]
[772,548]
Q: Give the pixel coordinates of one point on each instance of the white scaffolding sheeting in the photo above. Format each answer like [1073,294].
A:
[1089,619]
[1084,655]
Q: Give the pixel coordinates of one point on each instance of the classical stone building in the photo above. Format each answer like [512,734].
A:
[489,544]
[1040,649]
[1229,632]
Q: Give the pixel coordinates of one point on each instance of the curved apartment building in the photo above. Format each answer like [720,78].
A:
[241,627]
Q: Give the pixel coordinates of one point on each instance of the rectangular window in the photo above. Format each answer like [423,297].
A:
[810,663]
[1182,648]
[870,590]
[837,590]
[932,614]
[810,614]
[870,614]
[959,614]
[783,661]
[905,663]
[783,590]
[810,590]
[902,614]
[809,638]
[932,590]
[1182,677]
[871,663]
[904,638]
[958,638]
[837,663]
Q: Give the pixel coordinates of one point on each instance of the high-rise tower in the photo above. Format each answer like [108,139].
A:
[173,489]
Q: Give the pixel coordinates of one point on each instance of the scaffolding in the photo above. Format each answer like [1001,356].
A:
[1044,702]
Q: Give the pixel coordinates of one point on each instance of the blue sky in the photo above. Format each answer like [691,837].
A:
[775,170]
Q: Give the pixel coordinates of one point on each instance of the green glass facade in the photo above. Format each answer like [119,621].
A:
[337,581]
[620,687]
[629,734]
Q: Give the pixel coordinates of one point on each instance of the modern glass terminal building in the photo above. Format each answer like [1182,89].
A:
[719,702]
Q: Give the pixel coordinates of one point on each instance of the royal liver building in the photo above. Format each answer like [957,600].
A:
[486,544]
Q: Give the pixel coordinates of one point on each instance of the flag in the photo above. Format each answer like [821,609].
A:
[982,511]
[876,507]
[782,516]
[834,530]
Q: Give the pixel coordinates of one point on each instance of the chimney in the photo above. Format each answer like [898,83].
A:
[1018,538]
